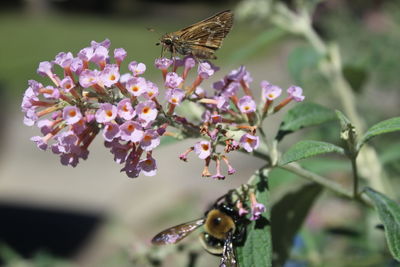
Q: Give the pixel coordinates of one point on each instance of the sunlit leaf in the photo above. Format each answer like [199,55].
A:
[386,126]
[308,148]
[304,115]
[389,213]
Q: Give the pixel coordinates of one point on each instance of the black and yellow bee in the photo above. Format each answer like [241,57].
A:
[223,229]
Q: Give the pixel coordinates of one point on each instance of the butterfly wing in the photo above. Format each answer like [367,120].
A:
[176,233]
[209,33]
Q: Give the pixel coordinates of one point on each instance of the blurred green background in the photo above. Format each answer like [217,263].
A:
[95,216]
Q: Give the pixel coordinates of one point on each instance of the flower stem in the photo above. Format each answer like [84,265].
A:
[355,177]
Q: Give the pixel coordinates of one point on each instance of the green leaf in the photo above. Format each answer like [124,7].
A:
[308,148]
[301,59]
[287,216]
[386,126]
[304,115]
[389,213]
[257,248]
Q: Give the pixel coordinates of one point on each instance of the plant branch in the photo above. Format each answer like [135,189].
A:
[333,186]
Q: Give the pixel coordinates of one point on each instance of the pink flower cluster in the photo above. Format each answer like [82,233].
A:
[89,95]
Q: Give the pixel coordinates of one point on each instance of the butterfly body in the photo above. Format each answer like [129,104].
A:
[201,39]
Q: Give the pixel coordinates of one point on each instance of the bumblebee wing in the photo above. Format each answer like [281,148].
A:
[176,233]
[209,32]
[228,258]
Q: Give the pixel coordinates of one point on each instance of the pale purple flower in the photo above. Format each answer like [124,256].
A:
[79,126]
[64,59]
[203,149]
[247,78]
[189,62]
[35,86]
[40,142]
[51,93]
[100,55]
[199,92]
[148,166]
[249,142]
[71,114]
[125,109]
[131,131]
[76,65]
[110,131]
[146,111]
[256,210]
[120,151]
[67,84]
[216,118]
[222,103]
[125,77]
[296,93]
[110,75]
[119,55]
[29,96]
[246,104]
[88,78]
[106,113]
[106,43]
[137,68]
[206,70]
[206,116]
[237,75]
[175,96]
[231,90]
[136,86]
[269,91]
[151,90]
[45,69]
[219,85]
[46,126]
[172,80]
[163,63]
[242,211]
[30,117]
[66,141]
[86,53]
[150,140]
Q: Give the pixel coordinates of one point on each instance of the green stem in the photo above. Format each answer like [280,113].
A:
[333,186]
[355,177]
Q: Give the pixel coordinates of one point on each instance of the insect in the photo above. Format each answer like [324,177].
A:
[222,230]
[201,39]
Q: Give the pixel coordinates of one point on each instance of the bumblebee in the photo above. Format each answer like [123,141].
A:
[222,230]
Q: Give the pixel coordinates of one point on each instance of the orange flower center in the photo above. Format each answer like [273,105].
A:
[147,138]
[146,110]
[109,113]
[72,113]
[249,140]
[205,147]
